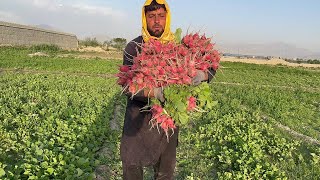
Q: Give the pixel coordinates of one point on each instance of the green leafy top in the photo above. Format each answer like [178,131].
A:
[177,35]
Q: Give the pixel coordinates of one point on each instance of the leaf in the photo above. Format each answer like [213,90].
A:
[183,118]
[39,152]
[2,172]
[50,170]
[177,35]
[44,164]
[82,161]
[210,104]
[85,150]
[202,100]
[196,90]
[45,157]
[97,162]
[214,103]
[79,172]
[181,107]
[33,177]
[60,156]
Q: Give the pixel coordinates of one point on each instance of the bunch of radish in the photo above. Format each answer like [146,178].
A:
[172,66]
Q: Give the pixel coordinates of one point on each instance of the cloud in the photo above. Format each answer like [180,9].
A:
[10,17]
[81,17]
[97,10]
[51,5]
[80,8]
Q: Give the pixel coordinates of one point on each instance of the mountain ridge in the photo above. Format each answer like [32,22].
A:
[276,49]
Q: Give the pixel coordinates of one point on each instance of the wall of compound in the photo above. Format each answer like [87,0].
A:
[21,35]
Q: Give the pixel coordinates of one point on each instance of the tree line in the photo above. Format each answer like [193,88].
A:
[118,43]
[304,61]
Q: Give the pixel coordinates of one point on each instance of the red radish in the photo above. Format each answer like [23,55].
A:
[191,103]
[169,64]
[124,68]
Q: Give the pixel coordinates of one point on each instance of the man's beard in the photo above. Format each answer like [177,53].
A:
[157,33]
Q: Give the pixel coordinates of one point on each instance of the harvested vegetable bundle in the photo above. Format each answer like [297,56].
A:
[172,66]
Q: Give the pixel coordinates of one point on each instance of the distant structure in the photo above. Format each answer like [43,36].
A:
[243,56]
[21,35]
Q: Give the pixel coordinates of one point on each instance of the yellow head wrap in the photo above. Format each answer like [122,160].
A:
[167,35]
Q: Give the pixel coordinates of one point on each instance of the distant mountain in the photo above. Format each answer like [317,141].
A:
[272,49]
[100,37]
[47,27]
[312,56]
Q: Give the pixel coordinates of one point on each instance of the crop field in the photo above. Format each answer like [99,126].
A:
[61,118]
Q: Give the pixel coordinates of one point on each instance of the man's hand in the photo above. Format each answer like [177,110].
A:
[200,76]
[158,93]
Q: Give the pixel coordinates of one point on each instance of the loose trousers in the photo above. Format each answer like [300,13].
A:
[163,169]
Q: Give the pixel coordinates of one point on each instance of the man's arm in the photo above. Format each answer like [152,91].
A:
[130,52]
[202,76]
[211,72]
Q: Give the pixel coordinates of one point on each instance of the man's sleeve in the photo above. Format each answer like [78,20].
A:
[129,53]
[211,72]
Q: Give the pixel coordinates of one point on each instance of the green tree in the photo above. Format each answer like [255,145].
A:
[90,42]
[107,43]
[119,43]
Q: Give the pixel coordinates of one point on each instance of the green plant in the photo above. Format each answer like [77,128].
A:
[89,42]
[45,48]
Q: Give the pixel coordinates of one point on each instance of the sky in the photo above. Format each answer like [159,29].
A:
[295,22]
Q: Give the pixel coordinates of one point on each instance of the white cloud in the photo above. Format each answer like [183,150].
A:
[79,8]
[10,17]
[81,17]
[97,10]
[52,5]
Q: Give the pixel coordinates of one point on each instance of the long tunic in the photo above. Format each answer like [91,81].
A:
[142,145]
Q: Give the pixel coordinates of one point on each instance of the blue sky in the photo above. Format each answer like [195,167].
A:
[243,21]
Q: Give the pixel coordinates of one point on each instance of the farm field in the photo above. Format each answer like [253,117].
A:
[56,117]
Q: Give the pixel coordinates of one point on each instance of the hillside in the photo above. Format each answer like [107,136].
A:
[272,49]
[273,61]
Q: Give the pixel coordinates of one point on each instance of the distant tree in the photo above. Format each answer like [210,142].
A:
[107,43]
[90,42]
[119,43]
[314,61]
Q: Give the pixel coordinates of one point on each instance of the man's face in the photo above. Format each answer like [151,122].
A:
[156,22]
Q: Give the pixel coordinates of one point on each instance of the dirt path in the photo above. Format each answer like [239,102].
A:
[31,71]
[299,135]
[308,89]
[93,56]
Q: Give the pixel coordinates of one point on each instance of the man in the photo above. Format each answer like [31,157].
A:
[142,145]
